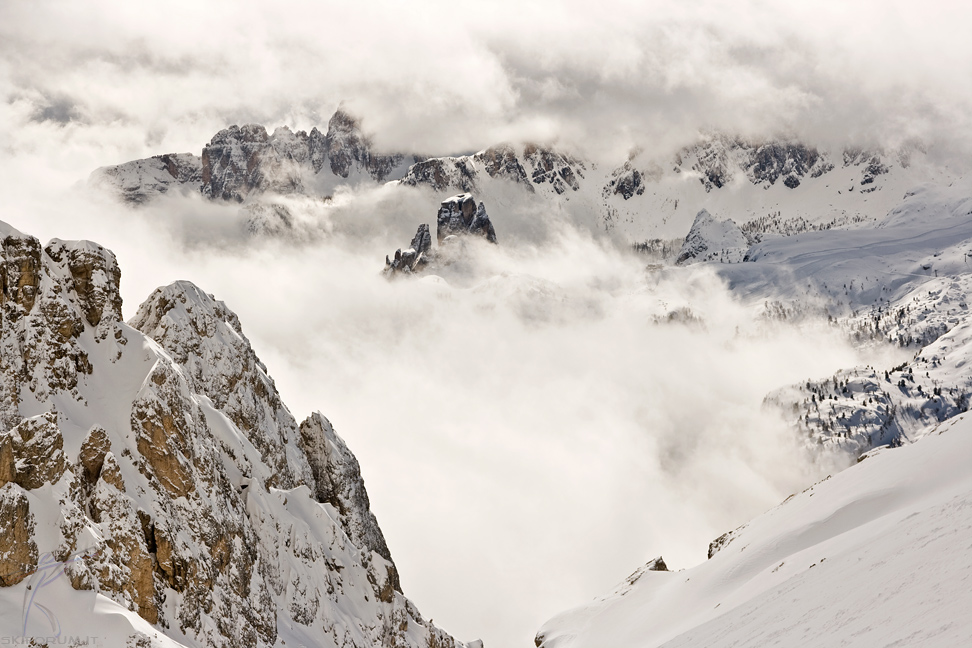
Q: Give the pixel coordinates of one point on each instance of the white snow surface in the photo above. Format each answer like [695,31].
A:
[877,555]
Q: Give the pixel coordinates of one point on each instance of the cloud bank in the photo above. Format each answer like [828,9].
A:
[533,424]
[435,77]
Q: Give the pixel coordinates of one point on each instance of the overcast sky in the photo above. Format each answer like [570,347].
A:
[529,442]
[438,77]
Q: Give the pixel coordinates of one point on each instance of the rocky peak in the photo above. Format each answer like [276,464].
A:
[166,475]
[501,161]
[791,161]
[50,296]
[415,257]
[347,147]
[443,174]
[139,181]
[205,338]
[457,216]
[338,482]
[242,160]
[712,240]
[460,215]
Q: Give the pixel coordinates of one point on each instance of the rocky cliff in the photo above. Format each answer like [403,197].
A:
[244,162]
[155,466]
[458,216]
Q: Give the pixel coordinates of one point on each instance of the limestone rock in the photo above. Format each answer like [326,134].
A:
[443,174]
[200,510]
[415,257]
[111,473]
[460,215]
[38,449]
[49,297]
[502,162]
[561,171]
[94,448]
[18,551]
[139,181]
[348,147]
[206,339]
[338,482]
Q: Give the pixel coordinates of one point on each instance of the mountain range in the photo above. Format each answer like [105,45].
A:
[154,465]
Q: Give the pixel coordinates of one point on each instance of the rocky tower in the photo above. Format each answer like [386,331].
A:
[155,464]
[457,216]
[460,215]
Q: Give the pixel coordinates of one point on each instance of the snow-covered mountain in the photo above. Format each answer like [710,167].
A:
[766,187]
[877,242]
[154,489]
[240,162]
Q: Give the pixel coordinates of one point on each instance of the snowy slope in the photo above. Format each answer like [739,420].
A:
[156,491]
[770,187]
[877,555]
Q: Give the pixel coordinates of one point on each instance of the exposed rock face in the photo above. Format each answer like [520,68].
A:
[18,551]
[719,157]
[348,147]
[192,496]
[546,165]
[37,447]
[790,161]
[712,240]
[205,338]
[501,161]
[871,161]
[460,215]
[241,163]
[41,323]
[443,174]
[415,257]
[535,166]
[94,449]
[626,181]
[339,483]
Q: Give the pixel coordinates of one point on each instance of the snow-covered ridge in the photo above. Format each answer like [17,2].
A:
[241,161]
[875,555]
[777,186]
[154,464]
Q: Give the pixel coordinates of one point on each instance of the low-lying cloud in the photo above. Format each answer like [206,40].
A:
[532,424]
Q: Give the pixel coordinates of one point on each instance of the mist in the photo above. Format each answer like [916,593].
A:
[530,424]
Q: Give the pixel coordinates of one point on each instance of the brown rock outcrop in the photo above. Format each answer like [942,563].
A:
[18,551]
